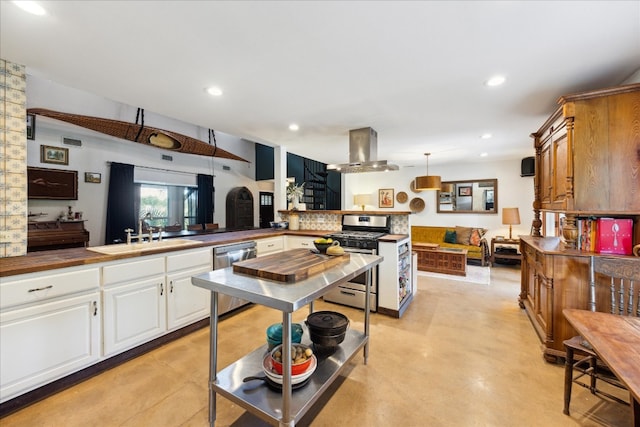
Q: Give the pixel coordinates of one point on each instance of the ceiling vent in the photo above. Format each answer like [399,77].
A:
[363,154]
[71,141]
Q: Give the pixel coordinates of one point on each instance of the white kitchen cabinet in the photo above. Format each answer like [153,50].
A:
[395,284]
[297,242]
[186,303]
[49,327]
[134,303]
[269,245]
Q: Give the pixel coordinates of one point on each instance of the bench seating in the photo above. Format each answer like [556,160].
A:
[433,234]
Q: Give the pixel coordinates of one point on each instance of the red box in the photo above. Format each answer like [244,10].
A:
[614,236]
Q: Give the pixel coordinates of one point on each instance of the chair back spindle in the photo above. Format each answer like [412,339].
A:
[623,274]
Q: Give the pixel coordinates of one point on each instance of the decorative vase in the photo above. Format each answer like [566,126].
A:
[296,203]
[294,221]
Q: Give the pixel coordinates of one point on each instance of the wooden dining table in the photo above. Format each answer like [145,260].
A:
[616,340]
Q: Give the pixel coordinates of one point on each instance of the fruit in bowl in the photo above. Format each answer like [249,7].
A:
[301,356]
[322,244]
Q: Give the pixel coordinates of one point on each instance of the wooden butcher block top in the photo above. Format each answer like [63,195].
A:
[289,266]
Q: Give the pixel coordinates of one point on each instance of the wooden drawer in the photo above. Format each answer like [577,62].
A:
[270,245]
[190,259]
[35,287]
[130,271]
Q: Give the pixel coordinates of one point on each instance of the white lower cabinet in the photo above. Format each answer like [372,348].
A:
[297,242]
[46,340]
[57,322]
[270,245]
[133,314]
[134,303]
[186,303]
[148,298]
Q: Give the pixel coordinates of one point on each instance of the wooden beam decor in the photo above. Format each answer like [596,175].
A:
[146,135]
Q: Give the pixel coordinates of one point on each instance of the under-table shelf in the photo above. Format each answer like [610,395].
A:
[265,403]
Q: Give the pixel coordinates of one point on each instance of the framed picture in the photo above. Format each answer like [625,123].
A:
[53,184]
[92,177]
[31,126]
[385,198]
[56,155]
[464,191]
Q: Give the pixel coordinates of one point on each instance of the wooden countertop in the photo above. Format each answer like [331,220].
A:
[555,246]
[350,212]
[48,260]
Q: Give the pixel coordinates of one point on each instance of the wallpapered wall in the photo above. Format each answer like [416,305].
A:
[13,160]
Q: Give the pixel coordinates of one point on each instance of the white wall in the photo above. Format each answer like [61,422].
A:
[98,149]
[513,191]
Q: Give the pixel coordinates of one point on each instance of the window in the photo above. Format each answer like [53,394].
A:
[168,204]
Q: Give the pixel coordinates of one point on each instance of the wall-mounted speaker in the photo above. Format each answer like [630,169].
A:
[528,166]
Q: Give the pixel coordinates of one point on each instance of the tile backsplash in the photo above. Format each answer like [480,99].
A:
[13,160]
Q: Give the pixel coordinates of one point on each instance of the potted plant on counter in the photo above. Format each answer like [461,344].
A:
[294,192]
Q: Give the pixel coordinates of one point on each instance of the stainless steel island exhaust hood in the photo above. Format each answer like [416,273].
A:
[363,154]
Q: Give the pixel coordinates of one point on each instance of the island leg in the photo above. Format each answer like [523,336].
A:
[286,420]
[213,356]
[366,313]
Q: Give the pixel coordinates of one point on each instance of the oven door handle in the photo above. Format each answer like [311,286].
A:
[352,294]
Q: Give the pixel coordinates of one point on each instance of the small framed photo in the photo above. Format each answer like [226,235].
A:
[93,177]
[31,126]
[464,191]
[55,155]
[385,197]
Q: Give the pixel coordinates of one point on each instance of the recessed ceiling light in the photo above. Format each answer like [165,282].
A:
[214,91]
[294,127]
[31,7]
[486,136]
[484,154]
[495,81]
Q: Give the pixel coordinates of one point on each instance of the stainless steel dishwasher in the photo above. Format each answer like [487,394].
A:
[225,256]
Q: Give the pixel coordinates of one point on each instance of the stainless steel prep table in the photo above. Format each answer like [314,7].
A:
[285,409]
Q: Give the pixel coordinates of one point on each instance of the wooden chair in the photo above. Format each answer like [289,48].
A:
[177,227]
[209,226]
[194,227]
[615,288]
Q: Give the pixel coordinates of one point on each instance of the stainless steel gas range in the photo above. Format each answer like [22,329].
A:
[360,234]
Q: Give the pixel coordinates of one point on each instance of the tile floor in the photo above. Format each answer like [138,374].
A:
[464,354]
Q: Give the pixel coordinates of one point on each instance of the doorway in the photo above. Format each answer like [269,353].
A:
[266,209]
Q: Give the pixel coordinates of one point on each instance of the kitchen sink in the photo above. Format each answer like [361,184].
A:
[142,247]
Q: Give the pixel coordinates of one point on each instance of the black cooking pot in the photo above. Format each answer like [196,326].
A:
[327,340]
[327,328]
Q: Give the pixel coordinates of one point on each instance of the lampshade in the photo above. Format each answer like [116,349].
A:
[427,182]
[447,188]
[362,200]
[510,216]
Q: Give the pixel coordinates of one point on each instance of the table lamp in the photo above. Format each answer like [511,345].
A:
[362,200]
[510,216]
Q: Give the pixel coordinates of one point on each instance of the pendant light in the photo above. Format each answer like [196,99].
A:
[427,182]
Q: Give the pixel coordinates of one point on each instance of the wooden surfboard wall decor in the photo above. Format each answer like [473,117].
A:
[134,132]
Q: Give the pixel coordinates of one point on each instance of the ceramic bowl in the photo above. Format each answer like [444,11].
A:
[296,368]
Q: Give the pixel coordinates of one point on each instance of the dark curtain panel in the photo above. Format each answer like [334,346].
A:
[120,203]
[205,199]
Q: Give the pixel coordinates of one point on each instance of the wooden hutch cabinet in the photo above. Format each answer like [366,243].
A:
[587,165]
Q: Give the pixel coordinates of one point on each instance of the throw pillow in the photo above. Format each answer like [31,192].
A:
[462,235]
[475,237]
[450,236]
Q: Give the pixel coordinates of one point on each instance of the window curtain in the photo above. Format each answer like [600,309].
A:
[205,199]
[120,203]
